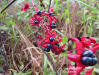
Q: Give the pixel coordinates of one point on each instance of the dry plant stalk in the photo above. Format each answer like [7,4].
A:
[32,52]
[70,28]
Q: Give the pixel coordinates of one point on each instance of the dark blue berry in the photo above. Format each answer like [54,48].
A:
[35,21]
[94,61]
[49,46]
[93,56]
[50,13]
[46,49]
[39,12]
[87,37]
[79,38]
[51,39]
[57,44]
[53,25]
[87,53]
[86,60]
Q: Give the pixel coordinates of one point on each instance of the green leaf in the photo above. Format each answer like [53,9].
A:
[4,28]
[45,64]
[27,73]
[65,39]
[57,6]
[11,22]
[62,55]
[88,6]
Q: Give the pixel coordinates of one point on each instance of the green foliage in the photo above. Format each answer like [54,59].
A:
[57,6]
[27,73]
[89,14]
[46,70]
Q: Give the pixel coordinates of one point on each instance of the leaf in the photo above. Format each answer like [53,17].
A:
[65,39]
[88,6]
[57,6]
[27,73]
[62,55]
[11,22]
[45,64]
[4,28]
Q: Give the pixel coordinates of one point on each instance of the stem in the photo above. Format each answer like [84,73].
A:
[32,2]
[49,5]
[35,7]
[3,54]
[8,6]
[53,64]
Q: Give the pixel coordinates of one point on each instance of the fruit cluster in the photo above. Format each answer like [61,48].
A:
[50,41]
[86,48]
[88,58]
[87,41]
[38,18]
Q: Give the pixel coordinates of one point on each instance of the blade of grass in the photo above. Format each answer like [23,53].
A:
[88,6]
[56,1]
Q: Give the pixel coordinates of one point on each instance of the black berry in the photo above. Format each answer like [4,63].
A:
[88,37]
[46,49]
[79,38]
[93,56]
[50,13]
[87,53]
[51,39]
[35,21]
[94,61]
[57,44]
[39,12]
[86,60]
[49,46]
[53,25]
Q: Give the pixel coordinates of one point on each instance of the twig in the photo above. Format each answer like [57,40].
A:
[26,66]
[52,63]
[49,5]
[28,43]
[3,54]
[13,61]
[8,6]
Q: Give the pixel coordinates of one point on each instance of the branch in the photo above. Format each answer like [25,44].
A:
[8,6]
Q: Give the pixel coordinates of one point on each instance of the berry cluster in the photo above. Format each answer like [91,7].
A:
[87,41]
[86,47]
[88,58]
[38,18]
[85,54]
[50,41]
